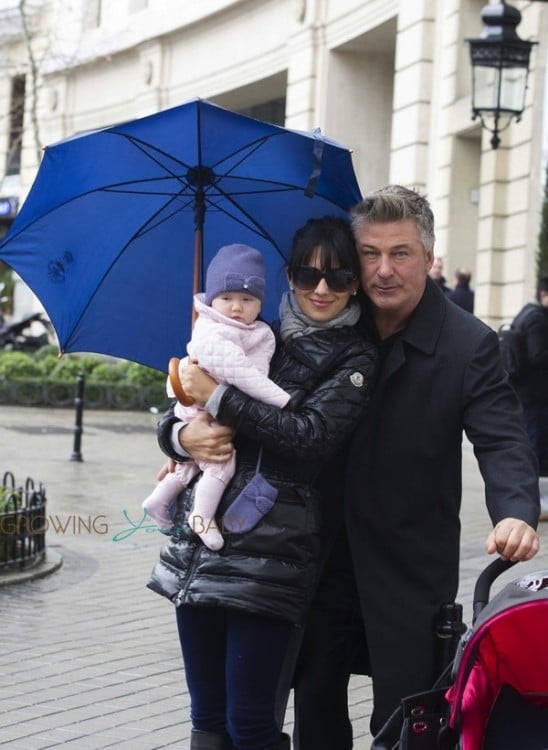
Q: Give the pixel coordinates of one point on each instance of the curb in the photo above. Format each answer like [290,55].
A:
[51,562]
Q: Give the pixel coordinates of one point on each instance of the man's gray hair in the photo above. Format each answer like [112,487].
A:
[396,203]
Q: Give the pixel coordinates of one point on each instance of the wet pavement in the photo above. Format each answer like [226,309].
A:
[89,656]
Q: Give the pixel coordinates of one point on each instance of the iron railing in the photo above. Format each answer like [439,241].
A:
[23,523]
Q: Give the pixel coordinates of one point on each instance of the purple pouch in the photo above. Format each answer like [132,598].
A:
[253,502]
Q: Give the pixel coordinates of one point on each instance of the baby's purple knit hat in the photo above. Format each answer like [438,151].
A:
[235,268]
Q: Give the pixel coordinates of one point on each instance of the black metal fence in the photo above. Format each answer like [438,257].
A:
[41,392]
[23,523]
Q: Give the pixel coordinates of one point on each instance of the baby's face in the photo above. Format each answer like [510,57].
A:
[238,306]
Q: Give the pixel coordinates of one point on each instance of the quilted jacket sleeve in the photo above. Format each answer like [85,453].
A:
[316,422]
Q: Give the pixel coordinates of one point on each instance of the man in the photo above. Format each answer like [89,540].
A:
[532,388]
[462,295]
[440,372]
[436,274]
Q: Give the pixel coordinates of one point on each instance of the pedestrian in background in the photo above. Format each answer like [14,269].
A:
[532,386]
[462,295]
[436,274]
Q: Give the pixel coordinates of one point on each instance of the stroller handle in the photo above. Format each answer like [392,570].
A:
[485,581]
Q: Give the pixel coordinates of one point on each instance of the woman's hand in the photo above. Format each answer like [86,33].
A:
[206,440]
[196,383]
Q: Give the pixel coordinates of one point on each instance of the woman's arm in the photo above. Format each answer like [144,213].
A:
[314,426]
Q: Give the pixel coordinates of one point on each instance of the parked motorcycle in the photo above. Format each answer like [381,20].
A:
[27,334]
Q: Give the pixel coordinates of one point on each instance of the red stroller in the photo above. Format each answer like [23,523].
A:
[499,696]
[494,694]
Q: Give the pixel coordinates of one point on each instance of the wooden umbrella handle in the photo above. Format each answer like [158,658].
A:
[175,381]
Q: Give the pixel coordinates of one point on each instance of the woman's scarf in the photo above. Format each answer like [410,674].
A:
[293,322]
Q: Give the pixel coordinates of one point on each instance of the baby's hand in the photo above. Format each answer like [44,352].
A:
[167,468]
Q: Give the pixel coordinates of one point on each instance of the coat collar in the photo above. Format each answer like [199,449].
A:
[424,327]
[422,331]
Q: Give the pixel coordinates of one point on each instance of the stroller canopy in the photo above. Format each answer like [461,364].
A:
[499,698]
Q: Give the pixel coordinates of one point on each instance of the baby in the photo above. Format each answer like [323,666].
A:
[235,348]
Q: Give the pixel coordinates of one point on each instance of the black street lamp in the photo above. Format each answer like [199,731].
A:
[500,66]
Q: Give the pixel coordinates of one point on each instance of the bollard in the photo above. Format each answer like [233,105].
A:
[79,404]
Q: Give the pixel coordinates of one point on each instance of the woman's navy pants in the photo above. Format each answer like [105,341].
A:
[233,662]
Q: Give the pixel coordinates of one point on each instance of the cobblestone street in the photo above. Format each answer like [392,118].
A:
[90,657]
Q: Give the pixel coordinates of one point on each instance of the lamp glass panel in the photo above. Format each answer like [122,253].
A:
[492,82]
[512,89]
[486,87]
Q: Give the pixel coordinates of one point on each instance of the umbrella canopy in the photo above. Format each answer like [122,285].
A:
[120,223]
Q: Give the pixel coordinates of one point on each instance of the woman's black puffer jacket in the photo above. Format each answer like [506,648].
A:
[271,569]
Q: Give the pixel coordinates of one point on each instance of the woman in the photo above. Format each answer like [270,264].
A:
[237,608]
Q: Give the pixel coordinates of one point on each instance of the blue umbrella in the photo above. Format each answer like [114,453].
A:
[120,223]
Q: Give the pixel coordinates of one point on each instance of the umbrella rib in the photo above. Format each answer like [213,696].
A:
[255,225]
[247,150]
[143,229]
[149,150]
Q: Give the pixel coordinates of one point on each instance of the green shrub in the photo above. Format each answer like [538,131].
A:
[542,253]
[89,362]
[11,499]
[109,372]
[142,376]
[66,368]
[49,350]
[48,363]
[41,377]
[14,365]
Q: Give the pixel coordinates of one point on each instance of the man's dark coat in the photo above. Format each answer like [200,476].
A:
[403,493]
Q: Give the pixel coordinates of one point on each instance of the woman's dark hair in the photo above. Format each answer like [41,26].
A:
[333,236]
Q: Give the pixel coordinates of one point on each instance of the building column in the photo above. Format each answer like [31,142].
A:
[412,90]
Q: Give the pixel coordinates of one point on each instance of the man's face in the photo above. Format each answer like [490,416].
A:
[394,267]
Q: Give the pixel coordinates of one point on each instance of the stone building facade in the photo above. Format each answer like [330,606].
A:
[390,79]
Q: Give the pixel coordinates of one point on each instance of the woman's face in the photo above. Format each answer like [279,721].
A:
[321,303]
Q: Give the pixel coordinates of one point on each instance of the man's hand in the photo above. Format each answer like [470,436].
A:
[513,540]
[196,383]
[206,440]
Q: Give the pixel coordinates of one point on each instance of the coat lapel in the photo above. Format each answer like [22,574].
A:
[422,331]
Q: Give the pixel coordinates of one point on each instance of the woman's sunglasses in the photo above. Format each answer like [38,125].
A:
[308,278]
